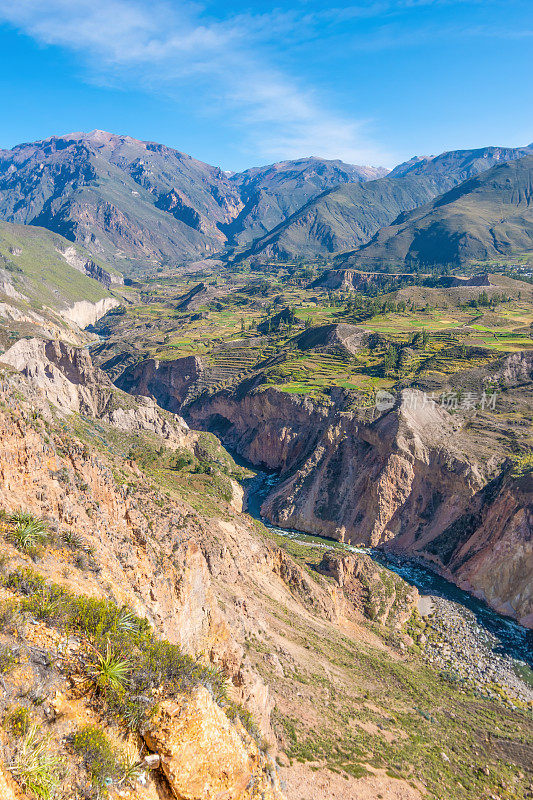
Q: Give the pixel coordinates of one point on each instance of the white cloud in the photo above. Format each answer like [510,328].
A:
[159,45]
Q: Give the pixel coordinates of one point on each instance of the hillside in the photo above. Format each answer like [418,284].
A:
[485,217]
[47,283]
[143,204]
[271,194]
[347,217]
[157,642]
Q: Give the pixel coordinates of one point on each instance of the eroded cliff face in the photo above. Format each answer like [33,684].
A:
[408,479]
[489,550]
[84,313]
[369,483]
[66,377]
[167,381]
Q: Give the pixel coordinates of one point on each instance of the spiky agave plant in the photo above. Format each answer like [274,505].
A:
[27,532]
[34,766]
[108,671]
[125,620]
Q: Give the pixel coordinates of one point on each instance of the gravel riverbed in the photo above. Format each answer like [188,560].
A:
[454,642]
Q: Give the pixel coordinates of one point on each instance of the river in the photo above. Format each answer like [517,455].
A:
[486,648]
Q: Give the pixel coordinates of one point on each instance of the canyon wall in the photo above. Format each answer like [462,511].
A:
[411,479]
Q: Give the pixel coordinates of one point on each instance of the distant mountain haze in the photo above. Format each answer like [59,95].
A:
[271,194]
[348,216]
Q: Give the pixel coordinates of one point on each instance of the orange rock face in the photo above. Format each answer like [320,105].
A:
[205,756]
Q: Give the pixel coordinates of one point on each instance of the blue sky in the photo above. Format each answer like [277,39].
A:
[243,84]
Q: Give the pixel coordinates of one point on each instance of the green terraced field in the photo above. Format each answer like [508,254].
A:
[222,329]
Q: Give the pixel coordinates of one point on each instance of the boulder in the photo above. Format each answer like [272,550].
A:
[206,756]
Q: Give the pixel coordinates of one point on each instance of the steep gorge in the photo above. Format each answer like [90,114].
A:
[334,694]
[412,479]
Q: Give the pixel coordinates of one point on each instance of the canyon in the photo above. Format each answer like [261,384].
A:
[266,521]
[410,479]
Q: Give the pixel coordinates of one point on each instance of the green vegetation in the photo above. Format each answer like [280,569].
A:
[32,257]
[18,721]
[26,532]
[522,464]
[8,659]
[106,764]
[249,325]
[121,656]
[108,671]
[35,766]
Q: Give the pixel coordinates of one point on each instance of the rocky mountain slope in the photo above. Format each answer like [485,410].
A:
[271,194]
[349,216]
[142,204]
[49,285]
[125,199]
[485,217]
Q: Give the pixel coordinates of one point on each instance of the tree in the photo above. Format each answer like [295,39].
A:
[390,360]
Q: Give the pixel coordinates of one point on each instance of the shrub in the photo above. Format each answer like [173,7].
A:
[522,465]
[100,758]
[106,764]
[34,766]
[71,540]
[8,660]
[25,581]
[18,721]
[235,711]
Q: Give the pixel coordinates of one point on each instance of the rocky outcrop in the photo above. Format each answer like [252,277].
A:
[84,313]
[351,280]
[269,428]
[68,379]
[205,756]
[338,338]
[64,374]
[516,369]
[91,268]
[372,482]
[489,549]
[167,381]
[377,594]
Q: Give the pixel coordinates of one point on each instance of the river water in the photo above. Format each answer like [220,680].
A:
[489,645]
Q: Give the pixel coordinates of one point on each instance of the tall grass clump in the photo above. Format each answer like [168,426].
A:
[34,766]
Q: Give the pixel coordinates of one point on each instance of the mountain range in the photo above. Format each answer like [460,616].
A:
[484,217]
[144,204]
[141,205]
[348,216]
